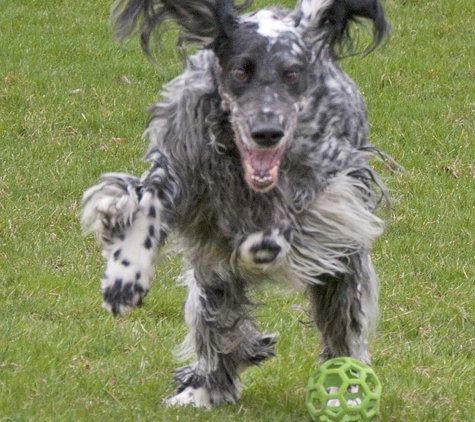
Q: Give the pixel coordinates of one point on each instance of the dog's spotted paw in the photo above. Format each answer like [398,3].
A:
[123,286]
[264,248]
[122,296]
[198,397]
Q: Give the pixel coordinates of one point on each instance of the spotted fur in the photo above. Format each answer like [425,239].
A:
[259,172]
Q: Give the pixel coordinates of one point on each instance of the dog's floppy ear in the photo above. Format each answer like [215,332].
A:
[204,22]
[330,21]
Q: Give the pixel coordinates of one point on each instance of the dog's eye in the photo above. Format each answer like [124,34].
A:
[291,77]
[240,75]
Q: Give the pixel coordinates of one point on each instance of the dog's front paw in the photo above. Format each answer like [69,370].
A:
[352,389]
[123,286]
[122,295]
[264,248]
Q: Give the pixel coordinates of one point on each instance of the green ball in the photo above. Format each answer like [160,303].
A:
[343,390]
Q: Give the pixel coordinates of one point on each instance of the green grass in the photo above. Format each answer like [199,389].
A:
[67,116]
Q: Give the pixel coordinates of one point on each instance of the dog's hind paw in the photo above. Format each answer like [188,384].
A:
[198,397]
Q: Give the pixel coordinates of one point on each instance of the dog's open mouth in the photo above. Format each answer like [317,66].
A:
[261,166]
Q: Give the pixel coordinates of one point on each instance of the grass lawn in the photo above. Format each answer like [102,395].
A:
[72,107]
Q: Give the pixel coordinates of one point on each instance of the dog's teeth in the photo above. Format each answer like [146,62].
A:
[250,169]
[266,179]
[262,179]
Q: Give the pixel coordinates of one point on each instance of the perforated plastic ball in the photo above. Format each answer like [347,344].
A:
[343,390]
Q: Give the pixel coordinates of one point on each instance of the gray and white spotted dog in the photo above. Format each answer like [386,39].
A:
[259,172]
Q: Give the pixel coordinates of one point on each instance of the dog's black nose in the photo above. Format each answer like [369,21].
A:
[267,135]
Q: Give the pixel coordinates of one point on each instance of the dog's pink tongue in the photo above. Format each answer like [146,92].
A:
[262,160]
[262,168]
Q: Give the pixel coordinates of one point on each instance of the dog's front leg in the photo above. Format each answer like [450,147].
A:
[344,308]
[132,220]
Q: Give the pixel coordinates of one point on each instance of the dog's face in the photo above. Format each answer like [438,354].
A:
[265,58]
[264,76]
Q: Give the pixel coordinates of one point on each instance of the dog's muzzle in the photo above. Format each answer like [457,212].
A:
[262,148]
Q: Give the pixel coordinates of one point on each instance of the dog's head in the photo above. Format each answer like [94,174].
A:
[263,78]
[266,60]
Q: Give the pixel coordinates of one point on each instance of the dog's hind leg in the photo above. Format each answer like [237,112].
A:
[129,216]
[345,309]
[223,338]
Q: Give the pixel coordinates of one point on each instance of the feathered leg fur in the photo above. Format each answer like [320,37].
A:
[344,308]
[130,217]
[223,338]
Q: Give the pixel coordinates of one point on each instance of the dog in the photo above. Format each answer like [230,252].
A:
[259,173]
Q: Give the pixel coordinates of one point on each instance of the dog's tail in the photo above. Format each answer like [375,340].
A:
[109,208]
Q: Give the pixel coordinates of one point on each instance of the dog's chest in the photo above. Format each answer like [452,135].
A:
[234,209]
[238,211]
